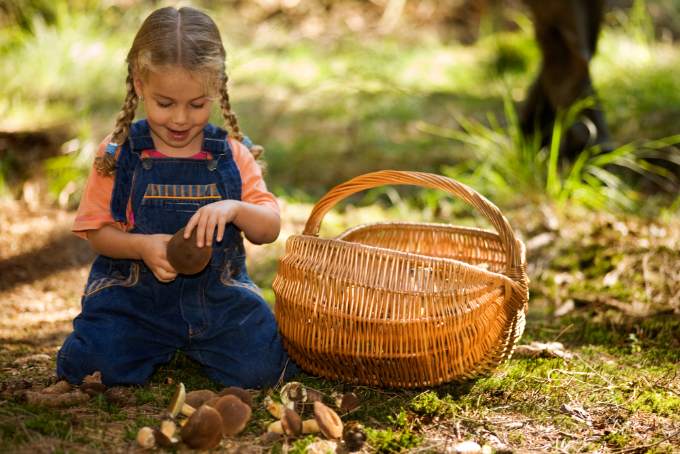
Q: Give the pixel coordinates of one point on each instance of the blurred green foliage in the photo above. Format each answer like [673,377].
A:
[332,104]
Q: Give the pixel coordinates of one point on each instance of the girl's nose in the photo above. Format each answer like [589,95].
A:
[179,116]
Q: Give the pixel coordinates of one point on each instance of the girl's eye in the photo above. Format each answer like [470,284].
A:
[197,106]
[164,105]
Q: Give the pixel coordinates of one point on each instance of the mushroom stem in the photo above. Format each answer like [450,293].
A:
[275,427]
[187,410]
[310,426]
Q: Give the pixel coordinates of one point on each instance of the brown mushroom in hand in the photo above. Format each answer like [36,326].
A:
[177,403]
[240,393]
[291,422]
[235,414]
[198,397]
[328,420]
[203,429]
[146,438]
[184,256]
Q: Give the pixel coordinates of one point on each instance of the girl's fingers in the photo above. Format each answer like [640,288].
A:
[220,230]
[200,230]
[210,230]
[191,224]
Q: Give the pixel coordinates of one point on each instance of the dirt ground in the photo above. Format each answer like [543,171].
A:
[598,402]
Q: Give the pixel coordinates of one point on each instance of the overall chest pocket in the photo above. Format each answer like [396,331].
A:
[182,198]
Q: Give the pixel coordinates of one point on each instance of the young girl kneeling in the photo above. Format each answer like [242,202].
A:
[152,178]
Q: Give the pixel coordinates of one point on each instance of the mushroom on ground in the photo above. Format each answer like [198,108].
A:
[146,438]
[354,436]
[203,429]
[293,394]
[198,397]
[274,408]
[291,422]
[310,426]
[235,414]
[328,420]
[349,402]
[185,256]
[165,437]
[238,392]
[177,404]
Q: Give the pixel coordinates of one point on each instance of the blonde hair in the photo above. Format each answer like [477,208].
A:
[169,36]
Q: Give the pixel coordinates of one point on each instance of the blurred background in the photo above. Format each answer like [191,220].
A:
[334,89]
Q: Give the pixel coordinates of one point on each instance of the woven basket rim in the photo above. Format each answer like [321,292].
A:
[406,255]
[492,234]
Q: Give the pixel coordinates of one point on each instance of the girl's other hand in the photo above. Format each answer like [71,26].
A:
[154,253]
[208,218]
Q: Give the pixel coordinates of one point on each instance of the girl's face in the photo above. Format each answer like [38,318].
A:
[177,107]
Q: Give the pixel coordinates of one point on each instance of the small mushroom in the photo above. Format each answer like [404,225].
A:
[146,438]
[165,437]
[240,393]
[291,422]
[354,436]
[203,429]
[177,403]
[235,414]
[314,395]
[274,408]
[293,394]
[310,426]
[349,402]
[198,397]
[328,420]
[184,256]
[275,427]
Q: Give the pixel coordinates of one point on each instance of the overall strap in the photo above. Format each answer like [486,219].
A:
[215,141]
[139,139]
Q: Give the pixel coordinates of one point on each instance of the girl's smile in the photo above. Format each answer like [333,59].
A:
[177,109]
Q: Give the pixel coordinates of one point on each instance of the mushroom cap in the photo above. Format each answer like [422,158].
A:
[328,420]
[291,422]
[354,436]
[146,438]
[184,256]
[235,414]
[292,394]
[177,401]
[349,402]
[203,429]
[238,392]
[198,397]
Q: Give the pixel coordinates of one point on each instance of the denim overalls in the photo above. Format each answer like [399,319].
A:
[130,322]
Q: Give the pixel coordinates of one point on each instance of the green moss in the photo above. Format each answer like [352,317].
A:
[300,446]
[388,441]
[658,402]
[50,423]
[430,404]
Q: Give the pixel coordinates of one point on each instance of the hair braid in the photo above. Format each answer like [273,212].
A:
[231,121]
[106,165]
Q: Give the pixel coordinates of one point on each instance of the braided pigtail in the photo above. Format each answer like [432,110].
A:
[231,122]
[106,165]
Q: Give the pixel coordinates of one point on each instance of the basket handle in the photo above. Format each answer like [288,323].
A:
[513,249]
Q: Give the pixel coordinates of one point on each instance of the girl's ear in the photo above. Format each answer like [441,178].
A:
[138,87]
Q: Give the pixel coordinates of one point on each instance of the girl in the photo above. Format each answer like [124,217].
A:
[152,178]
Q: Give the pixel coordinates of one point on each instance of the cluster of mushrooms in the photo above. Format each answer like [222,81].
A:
[211,416]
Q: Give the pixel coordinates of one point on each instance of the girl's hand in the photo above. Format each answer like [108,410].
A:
[211,216]
[153,251]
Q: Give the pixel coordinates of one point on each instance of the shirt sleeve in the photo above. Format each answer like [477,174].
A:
[253,188]
[94,211]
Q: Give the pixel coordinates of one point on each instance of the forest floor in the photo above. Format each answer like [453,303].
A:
[607,289]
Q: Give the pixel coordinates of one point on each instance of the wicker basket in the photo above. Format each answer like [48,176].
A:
[402,304]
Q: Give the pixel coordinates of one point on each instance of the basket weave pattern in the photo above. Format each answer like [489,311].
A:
[402,304]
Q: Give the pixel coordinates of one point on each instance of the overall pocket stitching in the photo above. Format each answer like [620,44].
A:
[106,282]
